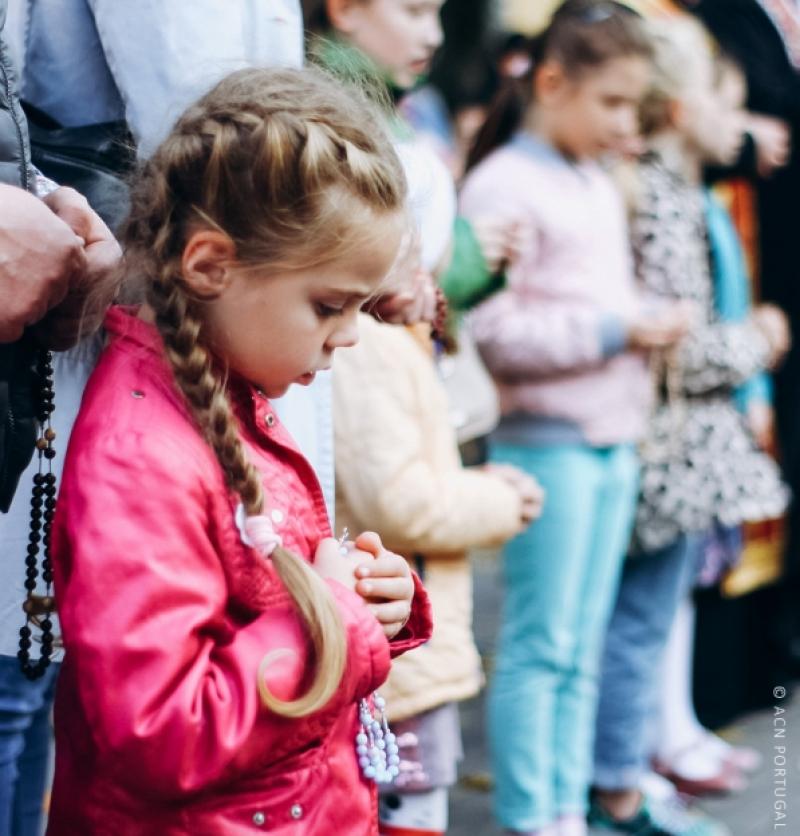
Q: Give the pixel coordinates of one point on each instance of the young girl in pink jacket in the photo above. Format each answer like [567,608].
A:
[221,647]
[564,343]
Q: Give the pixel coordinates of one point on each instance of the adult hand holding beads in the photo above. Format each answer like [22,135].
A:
[385,584]
[41,258]
[92,289]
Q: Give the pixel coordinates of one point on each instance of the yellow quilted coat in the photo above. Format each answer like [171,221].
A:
[398,472]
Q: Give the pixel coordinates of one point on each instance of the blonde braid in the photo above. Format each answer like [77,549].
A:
[256,159]
[203,388]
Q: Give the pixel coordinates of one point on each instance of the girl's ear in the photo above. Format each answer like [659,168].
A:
[342,14]
[549,81]
[206,263]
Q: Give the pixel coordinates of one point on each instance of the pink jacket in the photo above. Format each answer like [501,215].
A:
[553,339]
[166,616]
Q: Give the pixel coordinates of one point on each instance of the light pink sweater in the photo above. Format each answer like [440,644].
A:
[554,338]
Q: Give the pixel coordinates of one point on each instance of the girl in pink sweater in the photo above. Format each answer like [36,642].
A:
[565,342]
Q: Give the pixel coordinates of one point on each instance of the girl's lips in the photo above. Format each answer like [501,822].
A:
[308,377]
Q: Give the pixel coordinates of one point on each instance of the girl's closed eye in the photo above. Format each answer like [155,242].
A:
[341,306]
[326,311]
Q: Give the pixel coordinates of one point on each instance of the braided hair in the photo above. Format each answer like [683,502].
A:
[284,162]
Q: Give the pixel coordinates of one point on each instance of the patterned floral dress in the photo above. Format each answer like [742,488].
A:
[700,463]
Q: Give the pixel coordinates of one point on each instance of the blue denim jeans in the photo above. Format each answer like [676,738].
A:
[652,586]
[561,579]
[26,736]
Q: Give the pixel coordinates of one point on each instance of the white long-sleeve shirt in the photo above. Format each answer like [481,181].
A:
[89,61]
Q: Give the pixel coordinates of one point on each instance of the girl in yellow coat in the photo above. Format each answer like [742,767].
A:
[398,470]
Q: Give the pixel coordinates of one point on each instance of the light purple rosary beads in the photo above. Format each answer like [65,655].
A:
[376,745]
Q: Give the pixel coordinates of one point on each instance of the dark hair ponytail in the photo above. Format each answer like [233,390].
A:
[582,34]
[503,119]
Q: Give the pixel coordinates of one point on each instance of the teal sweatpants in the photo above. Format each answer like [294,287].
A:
[561,578]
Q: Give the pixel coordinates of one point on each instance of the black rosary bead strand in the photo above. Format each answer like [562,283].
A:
[43,496]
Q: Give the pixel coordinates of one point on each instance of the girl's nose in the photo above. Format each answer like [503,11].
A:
[346,334]
[434,34]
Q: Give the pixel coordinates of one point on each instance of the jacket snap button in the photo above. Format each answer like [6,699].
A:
[270,419]
[258,819]
[296,811]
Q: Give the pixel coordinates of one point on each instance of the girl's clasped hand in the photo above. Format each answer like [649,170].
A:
[531,493]
[662,327]
[383,579]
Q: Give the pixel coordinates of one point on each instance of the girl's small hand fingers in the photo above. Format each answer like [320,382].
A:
[385,565]
[391,630]
[370,542]
[390,589]
[395,611]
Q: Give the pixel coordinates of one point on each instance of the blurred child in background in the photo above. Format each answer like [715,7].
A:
[696,760]
[565,344]
[701,469]
[388,45]
[389,400]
